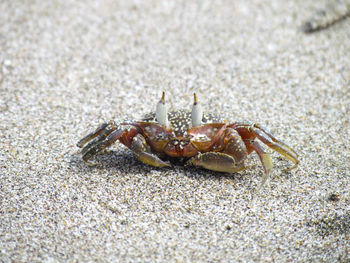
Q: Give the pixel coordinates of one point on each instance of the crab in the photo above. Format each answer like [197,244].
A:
[202,140]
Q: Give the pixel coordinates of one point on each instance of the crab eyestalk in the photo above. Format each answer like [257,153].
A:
[197,112]
[161,112]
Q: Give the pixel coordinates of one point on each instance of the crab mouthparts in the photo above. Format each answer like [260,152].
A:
[180,148]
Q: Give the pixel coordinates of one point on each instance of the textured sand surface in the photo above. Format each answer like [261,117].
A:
[67,66]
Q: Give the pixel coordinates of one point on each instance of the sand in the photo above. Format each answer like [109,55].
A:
[67,66]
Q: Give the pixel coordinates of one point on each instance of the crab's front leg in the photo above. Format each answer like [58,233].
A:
[143,152]
[231,157]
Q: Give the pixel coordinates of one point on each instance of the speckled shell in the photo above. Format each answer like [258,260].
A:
[180,120]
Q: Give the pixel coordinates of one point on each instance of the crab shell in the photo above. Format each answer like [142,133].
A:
[180,139]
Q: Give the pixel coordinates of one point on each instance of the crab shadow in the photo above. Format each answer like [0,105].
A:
[112,161]
[123,162]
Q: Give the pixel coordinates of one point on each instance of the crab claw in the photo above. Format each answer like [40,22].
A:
[161,112]
[197,112]
[216,161]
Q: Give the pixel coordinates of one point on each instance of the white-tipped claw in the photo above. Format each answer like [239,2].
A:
[197,112]
[161,112]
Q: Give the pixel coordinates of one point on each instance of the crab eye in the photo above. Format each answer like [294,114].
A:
[197,112]
[161,112]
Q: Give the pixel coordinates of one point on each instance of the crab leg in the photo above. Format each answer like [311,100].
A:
[101,145]
[143,152]
[265,160]
[277,145]
[274,139]
[268,139]
[256,128]
[103,135]
[101,129]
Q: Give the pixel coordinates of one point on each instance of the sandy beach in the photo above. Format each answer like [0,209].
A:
[68,66]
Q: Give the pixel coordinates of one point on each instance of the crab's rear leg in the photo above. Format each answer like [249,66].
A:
[277,145]
[143,152]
